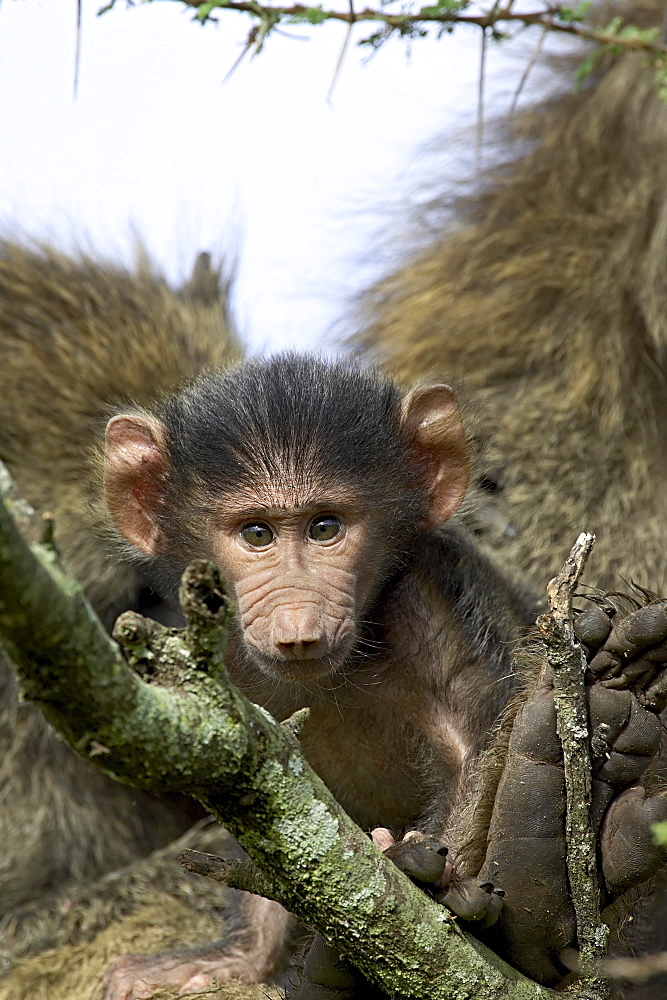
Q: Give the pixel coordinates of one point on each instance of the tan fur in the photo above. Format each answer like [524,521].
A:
[76,338]
[61,821]
[74,972]
[548,300]
[114,335]
[81,910]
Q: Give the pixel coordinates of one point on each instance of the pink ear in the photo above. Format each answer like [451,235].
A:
[135,469]
[432,422]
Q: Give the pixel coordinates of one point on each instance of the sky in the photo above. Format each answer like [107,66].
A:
[308,194]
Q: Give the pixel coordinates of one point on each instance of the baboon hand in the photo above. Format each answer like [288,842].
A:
[425,861]
[473,899]
[421,858]
[628,652]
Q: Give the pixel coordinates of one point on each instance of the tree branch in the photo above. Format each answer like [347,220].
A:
[185,727]
[552,17]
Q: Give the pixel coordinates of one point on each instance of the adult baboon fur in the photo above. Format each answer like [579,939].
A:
[76,338]
[547,298]
[65,828]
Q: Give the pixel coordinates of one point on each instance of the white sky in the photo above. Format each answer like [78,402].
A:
[305,193]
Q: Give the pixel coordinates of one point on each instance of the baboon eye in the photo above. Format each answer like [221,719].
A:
[257,535]
[323,529]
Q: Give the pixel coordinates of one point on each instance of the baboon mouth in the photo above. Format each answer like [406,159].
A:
[304,668]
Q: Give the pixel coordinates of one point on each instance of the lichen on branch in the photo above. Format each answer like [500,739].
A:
[166,716]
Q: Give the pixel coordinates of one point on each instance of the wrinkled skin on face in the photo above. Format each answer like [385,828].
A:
[303,557]
[301,575]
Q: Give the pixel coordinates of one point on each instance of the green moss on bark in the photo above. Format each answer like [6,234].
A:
[186,728]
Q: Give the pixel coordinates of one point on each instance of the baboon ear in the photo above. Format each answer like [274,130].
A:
[432,423]
[135,470]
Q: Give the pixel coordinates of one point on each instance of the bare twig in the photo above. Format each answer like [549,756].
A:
[568,663]
[479,131]
[236,874]
[248,46]
[77,51]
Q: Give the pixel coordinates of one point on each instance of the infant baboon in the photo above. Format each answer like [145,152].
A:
[319,489]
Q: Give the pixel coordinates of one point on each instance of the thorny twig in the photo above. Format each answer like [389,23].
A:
[343,53]
[551,17]
[527,71]
[479,131]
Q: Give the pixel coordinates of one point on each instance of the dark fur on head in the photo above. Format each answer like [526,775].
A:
[295,422]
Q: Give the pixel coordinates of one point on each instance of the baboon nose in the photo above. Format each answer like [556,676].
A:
[299,649]
[297,633]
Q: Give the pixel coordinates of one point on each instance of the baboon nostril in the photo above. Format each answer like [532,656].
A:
[299,648]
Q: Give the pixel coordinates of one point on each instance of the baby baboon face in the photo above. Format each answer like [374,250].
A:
[307,501]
